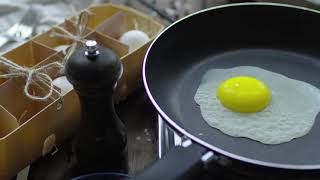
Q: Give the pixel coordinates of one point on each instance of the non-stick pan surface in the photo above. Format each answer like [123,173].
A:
[278,38]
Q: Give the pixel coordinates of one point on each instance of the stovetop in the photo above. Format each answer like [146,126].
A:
[167,138]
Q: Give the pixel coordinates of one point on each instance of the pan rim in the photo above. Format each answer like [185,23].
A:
[196,139]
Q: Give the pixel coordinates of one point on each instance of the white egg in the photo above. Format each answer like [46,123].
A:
[63,83]
[290,114]
[134,39]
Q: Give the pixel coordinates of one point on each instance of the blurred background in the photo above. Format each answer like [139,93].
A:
[52,12]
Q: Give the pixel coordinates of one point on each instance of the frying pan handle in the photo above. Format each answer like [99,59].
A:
[179,163]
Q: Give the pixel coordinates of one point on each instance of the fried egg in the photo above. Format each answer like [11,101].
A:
[251,102]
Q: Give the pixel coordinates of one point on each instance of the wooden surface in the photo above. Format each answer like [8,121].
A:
[140,119]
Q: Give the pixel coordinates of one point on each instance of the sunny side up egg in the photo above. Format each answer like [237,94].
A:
[289,112]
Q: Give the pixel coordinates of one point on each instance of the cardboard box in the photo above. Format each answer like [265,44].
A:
[28,128]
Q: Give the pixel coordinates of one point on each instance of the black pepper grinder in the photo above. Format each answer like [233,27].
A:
[100,144]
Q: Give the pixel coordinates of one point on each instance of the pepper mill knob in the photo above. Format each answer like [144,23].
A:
[100,144]
[92,48]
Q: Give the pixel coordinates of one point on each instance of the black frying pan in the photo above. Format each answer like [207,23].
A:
[280,38]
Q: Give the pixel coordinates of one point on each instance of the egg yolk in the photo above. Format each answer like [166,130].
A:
[244,94]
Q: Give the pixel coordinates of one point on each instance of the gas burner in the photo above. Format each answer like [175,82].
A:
[167,139]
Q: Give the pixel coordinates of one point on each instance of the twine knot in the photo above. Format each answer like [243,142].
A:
[81,26]
[39,74]
[32,75]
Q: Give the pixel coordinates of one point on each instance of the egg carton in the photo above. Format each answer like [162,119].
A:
[30,129]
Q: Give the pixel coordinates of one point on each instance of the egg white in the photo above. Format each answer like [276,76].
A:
[291,113]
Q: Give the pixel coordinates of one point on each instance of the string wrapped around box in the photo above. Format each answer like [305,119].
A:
[32,76]
[81,25]
[38,75]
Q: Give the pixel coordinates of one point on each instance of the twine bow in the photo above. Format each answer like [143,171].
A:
[32,75]
[81,26]
[39,74]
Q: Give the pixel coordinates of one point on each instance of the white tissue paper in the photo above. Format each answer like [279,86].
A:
[52,12]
